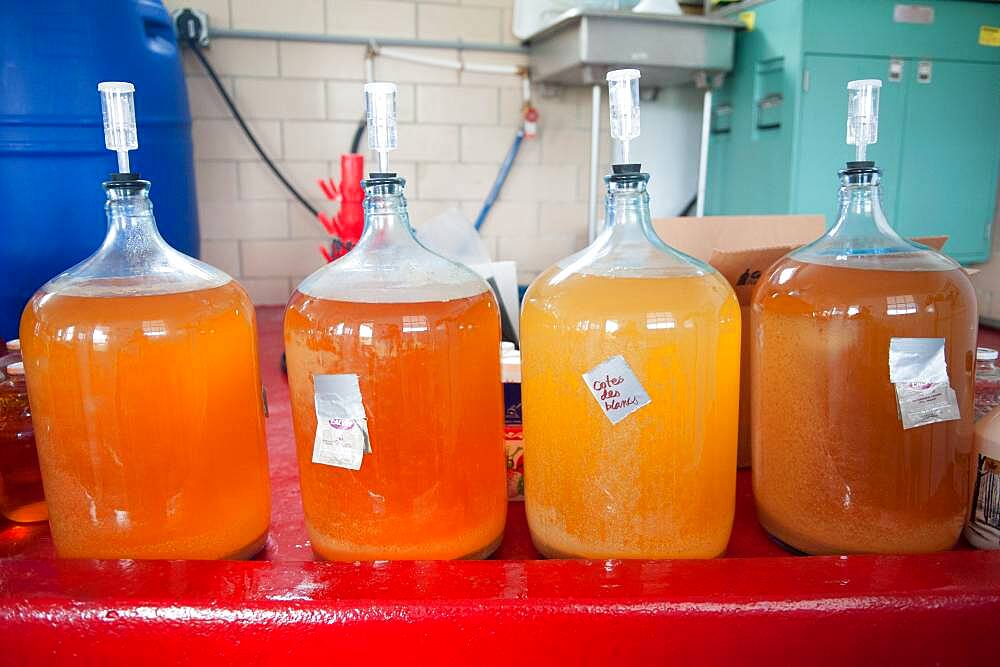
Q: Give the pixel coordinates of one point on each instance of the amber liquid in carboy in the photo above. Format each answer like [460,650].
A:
[834,471]
[149,421]
[429,374]
[21,497]
[661,482]
[422,335]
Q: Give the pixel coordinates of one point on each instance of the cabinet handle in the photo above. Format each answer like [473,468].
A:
[721,119]
[895,70]
[924,71]
[769,103]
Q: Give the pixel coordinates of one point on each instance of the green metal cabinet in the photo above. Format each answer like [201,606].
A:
[779,120]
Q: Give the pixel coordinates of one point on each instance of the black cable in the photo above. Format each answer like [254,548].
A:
[358,133]
[686,211]
[246,130]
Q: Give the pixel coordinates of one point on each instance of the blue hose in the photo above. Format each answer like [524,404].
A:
[508,162]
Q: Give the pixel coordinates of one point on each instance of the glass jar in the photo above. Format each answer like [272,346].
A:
[10,354]
[630,381]
[146,397]
[987,381]
[396,397]
[843,459]
[21,497]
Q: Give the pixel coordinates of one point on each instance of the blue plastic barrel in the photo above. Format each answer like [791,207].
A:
[52,156]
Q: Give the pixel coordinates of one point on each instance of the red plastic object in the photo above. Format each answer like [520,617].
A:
[347,224]
[757,605]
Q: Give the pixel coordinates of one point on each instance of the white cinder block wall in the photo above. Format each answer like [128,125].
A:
[303,101]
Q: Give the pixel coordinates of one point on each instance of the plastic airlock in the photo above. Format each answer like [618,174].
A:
[862,115]
[623,105]
[118,110]
[380,111]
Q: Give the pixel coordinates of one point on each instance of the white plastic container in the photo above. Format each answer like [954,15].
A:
[983,529]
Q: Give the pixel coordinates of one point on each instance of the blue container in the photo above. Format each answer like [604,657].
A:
[52,155]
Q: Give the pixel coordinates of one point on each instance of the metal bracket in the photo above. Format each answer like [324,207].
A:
[546,90]
[191,24]
[649,94]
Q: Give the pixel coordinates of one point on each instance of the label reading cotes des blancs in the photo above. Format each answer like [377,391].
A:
[616,388]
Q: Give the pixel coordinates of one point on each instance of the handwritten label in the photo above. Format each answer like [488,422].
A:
[341,424]
[616,388]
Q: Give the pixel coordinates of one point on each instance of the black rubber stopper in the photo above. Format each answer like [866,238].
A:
[632,168]
[119,176]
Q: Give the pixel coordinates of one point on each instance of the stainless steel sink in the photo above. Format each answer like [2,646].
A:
[582,46]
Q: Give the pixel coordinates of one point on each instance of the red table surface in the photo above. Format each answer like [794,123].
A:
[756,604]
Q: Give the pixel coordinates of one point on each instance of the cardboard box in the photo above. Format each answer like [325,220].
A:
[742,248]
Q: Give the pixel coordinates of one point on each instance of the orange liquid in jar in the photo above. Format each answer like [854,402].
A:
[661,483]
[21,496]
[434,485]
[834,471]
[149,421]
